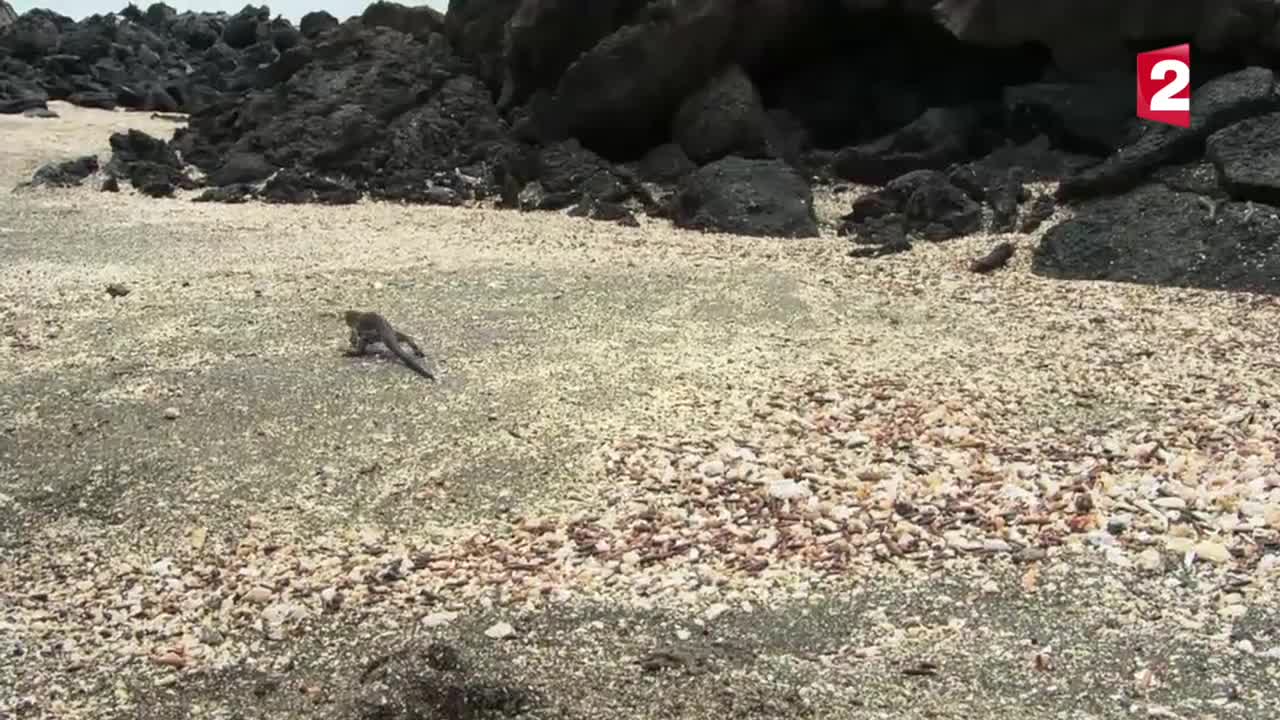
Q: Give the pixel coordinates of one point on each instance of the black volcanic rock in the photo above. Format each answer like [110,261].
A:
[150,164]
[747,197]
[373,105]
[419,21]
[1157,236]
[316,22]
[1246,156]
[1216,104]
[723,117]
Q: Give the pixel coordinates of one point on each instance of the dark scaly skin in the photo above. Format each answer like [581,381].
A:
[370,327]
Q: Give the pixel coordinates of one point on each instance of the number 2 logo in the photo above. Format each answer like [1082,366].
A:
[1164,85]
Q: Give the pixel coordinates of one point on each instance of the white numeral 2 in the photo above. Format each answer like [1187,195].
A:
[1163,101]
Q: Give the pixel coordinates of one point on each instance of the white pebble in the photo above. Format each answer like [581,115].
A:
[439,618]
[787,489]
[711,468]
[1213,551]
[500,631]
[715,611]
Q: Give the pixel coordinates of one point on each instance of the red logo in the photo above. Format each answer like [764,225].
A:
[1164,85]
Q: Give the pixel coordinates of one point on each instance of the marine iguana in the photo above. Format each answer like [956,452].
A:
[370,327]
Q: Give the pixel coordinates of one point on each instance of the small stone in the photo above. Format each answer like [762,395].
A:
[1171,503]
[957,540]
[118,290]
[1117,557]
[500,631]
[996,546]
[258,595]
[172,413]
[1178,544]
[715,611]
[330,598]
[1150,560]
[1031,554]
[1233,612]
[1143,451]
[711,468]
[787,489]
[1272,516]
[439,618]
[856,439]
[171,659]
[1214,552]
[683,634]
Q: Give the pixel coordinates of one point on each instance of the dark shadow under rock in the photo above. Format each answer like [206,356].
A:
[936,139]
[1038,159]
[1093,117]
[1157,236]
[666,163]
[747,197]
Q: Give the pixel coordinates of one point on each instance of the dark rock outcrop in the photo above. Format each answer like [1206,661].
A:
[747,197]
[618,96]
[315,23]
[936,139]
[419,22]
[391,114]
[1158,236]
[723,117]
[148,163]
[1216,104]
[1246,157]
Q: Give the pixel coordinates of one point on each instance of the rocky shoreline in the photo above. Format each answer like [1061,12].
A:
[702,113]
